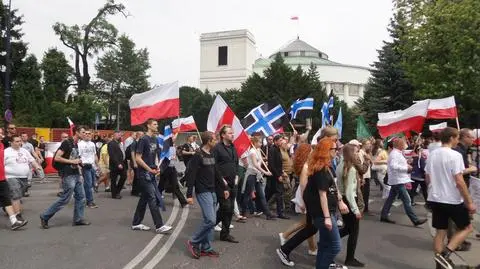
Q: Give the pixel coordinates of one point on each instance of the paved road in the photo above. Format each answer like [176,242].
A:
[109,243]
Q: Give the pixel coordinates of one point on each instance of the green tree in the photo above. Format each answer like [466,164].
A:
[28,98]
[124,73]
[388,88]
[194,102]
[444,52]
[18,47]
[89,39]
[57,75]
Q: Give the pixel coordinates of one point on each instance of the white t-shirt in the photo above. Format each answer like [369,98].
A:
[17,162]
[87,151]
[442,166]
[28,146]
[433,146]
[254,152]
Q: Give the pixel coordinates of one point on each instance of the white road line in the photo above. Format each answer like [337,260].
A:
[165,248]
[149,247]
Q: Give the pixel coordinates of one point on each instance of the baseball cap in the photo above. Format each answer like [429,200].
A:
[355,142]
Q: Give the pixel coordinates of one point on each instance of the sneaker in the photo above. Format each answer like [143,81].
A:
[258,214]
[18,224]
[20,218]
[419,222]
[210,253]
[163,230]
[444,262]
[140,227]
[44,223]
[92,205]
[337,266]
[282,239]
[217,228]
[339,223]
[231,226]
[193,250]
[284,258]
[354,263]
[312,252]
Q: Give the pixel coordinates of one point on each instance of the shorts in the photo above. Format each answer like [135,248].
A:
[441,213]
[5,199]
[17,187]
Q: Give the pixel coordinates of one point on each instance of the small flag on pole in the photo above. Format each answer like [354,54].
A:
[301,108]
[294,18]
[71,126]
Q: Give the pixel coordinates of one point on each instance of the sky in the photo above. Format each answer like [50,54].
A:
[349,31]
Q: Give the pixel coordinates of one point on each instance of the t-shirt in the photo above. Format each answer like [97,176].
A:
[17,162]
[321,180]
[442,166]
[254,152]
[104,158]
[29,147]
[187,147]
[2,162]
[70,151]
[87,151]
[148,147]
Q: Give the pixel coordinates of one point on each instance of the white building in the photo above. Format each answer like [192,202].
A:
[228,58]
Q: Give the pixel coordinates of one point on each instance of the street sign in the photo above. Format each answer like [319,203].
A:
[8,115]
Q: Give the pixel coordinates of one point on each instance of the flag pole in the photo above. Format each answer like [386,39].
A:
[458,123]
[261,159]
[199,136]
[291,125]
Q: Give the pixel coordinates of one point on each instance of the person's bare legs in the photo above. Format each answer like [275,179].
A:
[17,207]
[295,227]
[455,241]
[312,246]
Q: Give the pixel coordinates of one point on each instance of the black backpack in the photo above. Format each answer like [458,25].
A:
[58,165]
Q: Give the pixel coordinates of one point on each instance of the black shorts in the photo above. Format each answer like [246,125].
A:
[5,194]
[441,213]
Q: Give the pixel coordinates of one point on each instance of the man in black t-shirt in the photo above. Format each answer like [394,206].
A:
[146,152]
[69,164]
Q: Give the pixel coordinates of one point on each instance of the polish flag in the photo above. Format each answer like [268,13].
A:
[444,108]
[221,114]
[72,125]
[438,127]
[184,124]
[159,103]
[476,135]
[294,18]
[410,119]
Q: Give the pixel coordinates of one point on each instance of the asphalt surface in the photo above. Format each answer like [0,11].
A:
[109,243]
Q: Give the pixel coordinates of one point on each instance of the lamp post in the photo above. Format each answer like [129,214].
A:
[8,65]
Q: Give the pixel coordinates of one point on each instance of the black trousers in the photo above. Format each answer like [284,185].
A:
[169,182]
[366,192]
[298,238]
[413,192]
[351,228]
[135,183]
[225,212]
[117,185]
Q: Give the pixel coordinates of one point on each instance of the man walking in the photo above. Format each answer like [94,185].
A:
[448,197]
[146,152]
[398,176]
[275,181]
[204,177]
[226,160]
[88,155]
[117,164]
[68,162]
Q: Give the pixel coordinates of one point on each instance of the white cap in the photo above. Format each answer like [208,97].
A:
[355,142]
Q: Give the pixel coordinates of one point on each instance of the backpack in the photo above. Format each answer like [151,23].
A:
[180,153]
[58,165]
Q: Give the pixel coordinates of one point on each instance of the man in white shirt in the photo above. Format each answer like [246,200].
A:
[88,154]
[399,175]
[448,196]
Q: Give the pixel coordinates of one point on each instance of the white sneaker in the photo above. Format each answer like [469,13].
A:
[339,223]
[217,228]
[140,227]
[163,230]
[337,266]
[282,239]
[312,253]
[231,226]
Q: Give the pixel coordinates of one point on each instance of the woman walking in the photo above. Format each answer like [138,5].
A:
[347,186]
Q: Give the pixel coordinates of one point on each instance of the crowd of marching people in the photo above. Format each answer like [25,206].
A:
[326,182]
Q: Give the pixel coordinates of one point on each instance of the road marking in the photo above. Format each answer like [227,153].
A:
[165,248]
[149,247]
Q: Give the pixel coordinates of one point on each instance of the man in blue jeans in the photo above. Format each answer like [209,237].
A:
[399,175]
[203,175]
[87,151]
[68,161]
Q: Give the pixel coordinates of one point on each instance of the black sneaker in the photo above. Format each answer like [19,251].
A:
[420,222]
[92,205]
[44,223]
[444,262]
[387,220]
[19,217]
[283,217]
[193,250]
[18,224]
[354,263]
[81,223]
[284,258]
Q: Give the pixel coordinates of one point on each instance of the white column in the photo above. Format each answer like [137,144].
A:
[328,87]
[346,96]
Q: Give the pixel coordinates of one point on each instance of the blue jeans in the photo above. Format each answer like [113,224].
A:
[203,237]
[71,184]
[149,195]
[402,193]
[329,244]
[88,182]
[260,200]
[247,196]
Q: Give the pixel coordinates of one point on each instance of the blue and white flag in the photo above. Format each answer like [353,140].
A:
[165,143]
[267,118]
[339,123]
[301,108]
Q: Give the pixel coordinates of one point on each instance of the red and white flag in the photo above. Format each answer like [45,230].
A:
[184,124]
[476,135]
[294,18]
[438,127]
[403,121]
[71,126]
[160,102]
[221,114]
[444,108]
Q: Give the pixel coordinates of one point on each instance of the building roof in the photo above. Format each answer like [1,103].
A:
[295,61]
[298,46]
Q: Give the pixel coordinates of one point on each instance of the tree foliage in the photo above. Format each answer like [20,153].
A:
[87,40]
[57,75]
[443,49]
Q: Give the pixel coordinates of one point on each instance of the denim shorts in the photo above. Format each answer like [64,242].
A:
[17,188]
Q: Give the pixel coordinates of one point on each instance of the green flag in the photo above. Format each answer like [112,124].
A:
[362,129]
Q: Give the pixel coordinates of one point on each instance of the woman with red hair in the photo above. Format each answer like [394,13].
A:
[322,200]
